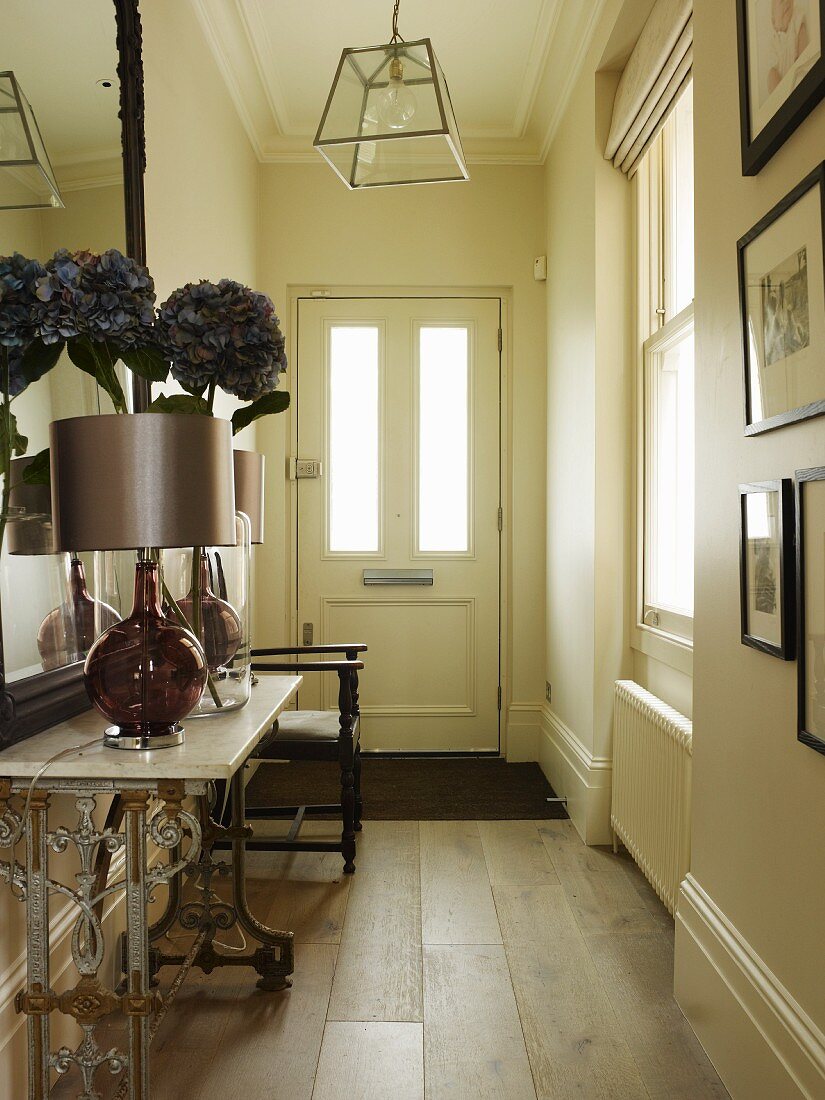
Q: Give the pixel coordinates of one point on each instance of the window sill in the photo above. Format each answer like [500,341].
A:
[661,646]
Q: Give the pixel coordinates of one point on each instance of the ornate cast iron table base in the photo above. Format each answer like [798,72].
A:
[89,1002]
[273,959]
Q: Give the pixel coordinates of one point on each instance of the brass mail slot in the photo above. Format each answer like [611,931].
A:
[398,576]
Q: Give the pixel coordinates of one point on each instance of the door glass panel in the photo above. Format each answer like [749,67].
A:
[353,452]
[443,439]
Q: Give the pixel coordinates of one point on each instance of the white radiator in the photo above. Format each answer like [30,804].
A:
[650,811]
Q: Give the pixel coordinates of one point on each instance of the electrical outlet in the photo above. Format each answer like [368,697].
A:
[548,691]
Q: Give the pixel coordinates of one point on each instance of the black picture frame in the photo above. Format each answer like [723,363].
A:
[805,735]
[757,150]
[816,178]
[34,703]
[783,487]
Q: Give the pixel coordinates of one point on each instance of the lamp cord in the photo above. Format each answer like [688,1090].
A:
[396,37]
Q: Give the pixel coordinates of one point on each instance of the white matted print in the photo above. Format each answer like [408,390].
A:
[783,277]
[766,565]
[762,567]
[784,43]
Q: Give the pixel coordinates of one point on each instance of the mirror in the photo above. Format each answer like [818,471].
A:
[75,67]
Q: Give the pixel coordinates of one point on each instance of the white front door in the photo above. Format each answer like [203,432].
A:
[398,399]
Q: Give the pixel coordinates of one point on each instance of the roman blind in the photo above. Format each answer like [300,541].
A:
[655,74]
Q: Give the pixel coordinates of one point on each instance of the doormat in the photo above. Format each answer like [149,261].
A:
[416,788]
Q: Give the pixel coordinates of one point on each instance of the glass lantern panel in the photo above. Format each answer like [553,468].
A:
[39,148]
[394,160]
[26,177]
[452,125]
[369,99]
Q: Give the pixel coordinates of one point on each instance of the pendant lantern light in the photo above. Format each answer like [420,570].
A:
[26,177]
[388,118]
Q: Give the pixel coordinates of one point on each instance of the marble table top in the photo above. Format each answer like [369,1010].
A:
[214,748]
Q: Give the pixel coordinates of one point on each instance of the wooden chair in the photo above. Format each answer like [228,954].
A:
[316,735]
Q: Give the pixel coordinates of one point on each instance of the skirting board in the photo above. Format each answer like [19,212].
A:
[575,773]
[523,731]
[762,1043]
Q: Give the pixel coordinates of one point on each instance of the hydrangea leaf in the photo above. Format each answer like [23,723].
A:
[38,471]
[11,441]
[149,363]
[37,359]
[180,403]
[98,359]
[270,403]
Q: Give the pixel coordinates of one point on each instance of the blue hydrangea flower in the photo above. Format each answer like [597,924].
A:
[105,296]
[21,309]
[223,333]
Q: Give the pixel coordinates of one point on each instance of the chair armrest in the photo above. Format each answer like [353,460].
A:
[354,647]
[309,666]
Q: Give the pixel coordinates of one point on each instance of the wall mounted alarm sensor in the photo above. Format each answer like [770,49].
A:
[540,268]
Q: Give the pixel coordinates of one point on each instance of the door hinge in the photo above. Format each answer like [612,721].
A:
[500,340]
[499,696]
[500,518]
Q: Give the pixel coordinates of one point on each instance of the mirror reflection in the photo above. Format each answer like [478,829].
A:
[61,187]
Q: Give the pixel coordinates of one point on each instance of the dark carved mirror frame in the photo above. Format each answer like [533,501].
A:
[34,703]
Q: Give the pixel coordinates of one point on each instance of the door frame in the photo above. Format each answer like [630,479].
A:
[504,294]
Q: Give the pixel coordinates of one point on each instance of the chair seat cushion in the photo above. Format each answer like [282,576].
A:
[310,725]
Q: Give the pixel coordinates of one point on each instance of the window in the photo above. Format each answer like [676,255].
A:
[665,281]
[443,439]
[354,398]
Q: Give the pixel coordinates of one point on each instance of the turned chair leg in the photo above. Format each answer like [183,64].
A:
[359,802]
[348,813]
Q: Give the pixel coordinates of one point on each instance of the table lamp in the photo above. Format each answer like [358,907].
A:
[143,481]
[68,631]
[249,490]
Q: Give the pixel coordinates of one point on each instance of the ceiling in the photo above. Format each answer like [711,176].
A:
[510,66]
[58,52]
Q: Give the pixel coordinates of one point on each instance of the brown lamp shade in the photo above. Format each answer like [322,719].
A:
[249,489]
[29,529]
[148,479]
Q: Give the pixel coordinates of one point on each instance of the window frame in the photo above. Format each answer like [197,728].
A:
[659,632]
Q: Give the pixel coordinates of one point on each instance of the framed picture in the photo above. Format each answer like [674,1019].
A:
[782,297]
[781,72]
[810,601]
[766,567]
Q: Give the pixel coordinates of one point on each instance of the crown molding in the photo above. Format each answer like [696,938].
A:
[236,34]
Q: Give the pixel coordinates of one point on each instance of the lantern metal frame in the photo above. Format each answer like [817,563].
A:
[46,170]
[400,49]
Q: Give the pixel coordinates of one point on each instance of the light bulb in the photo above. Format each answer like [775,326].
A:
[397,104]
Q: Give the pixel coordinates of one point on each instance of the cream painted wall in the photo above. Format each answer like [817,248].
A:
[758,794]
[589,418]
[485,233]
[591,364]
[201,181]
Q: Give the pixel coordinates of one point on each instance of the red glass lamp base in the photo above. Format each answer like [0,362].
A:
[145,673]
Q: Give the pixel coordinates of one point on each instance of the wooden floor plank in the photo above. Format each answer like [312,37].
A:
[368,1061]
[271,1044]
[456,897]
[600,893]
[473,1043]
[378,975]
[515,854]
[636,969]
[302,892]
[574,1041]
